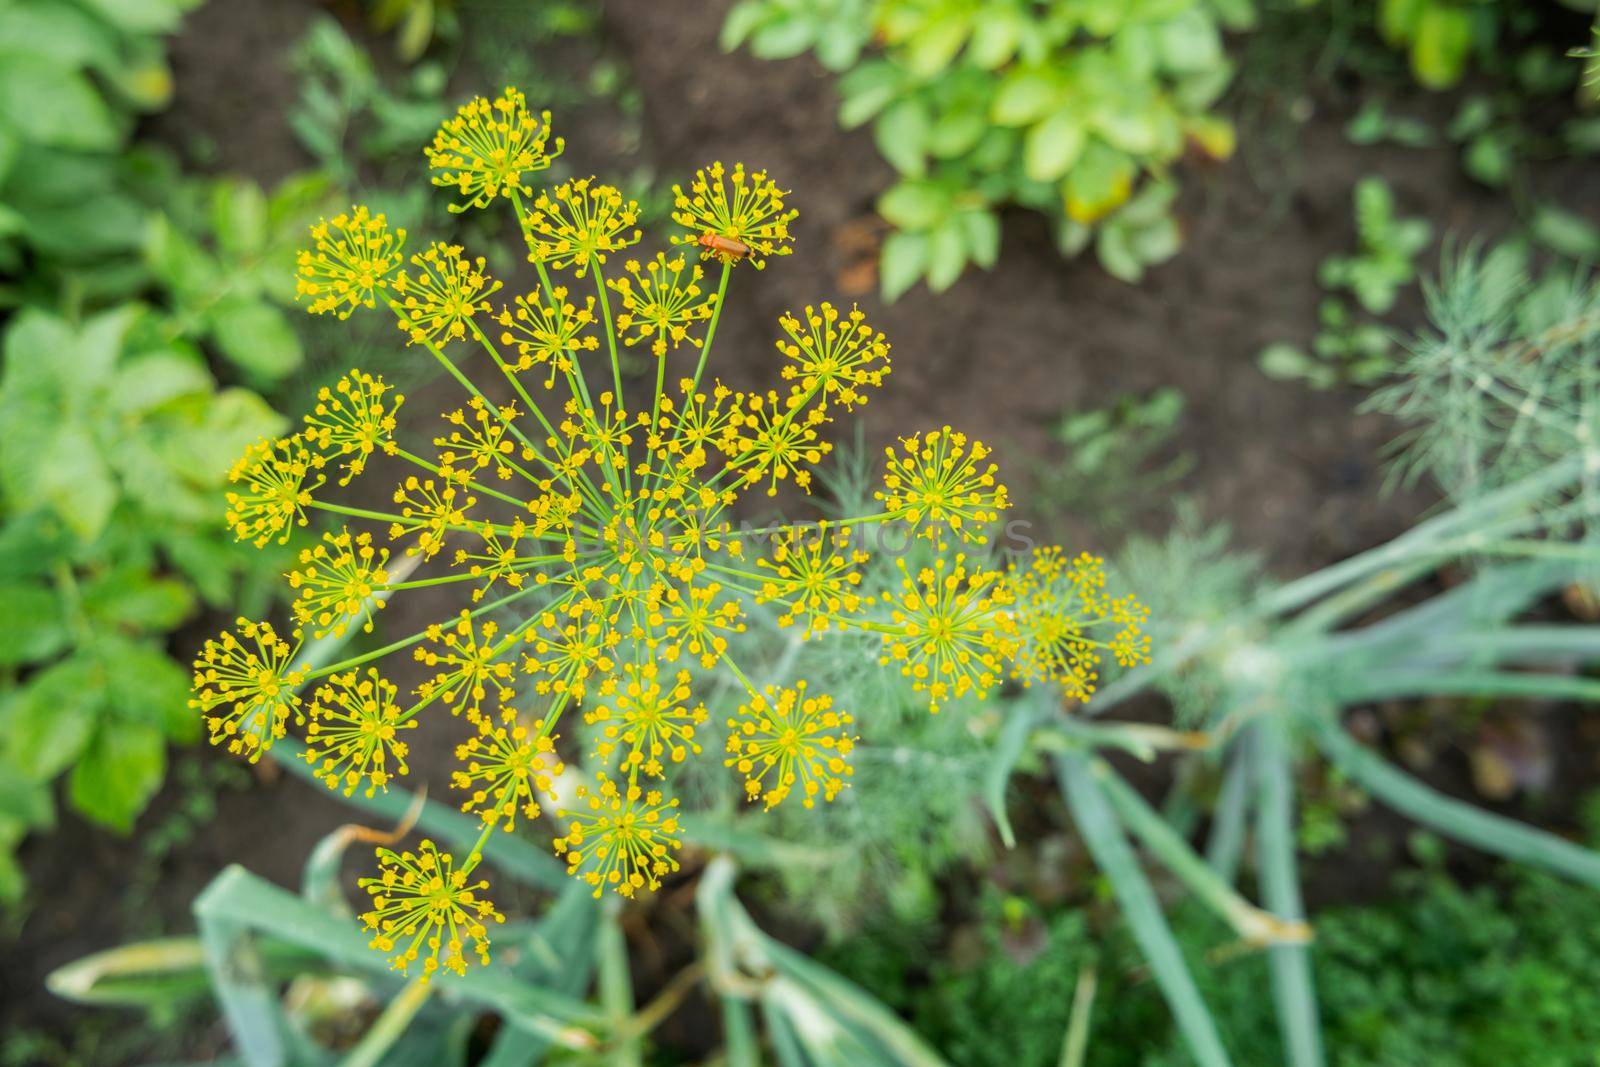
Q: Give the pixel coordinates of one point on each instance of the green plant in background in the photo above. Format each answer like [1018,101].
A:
[1079,111]
[111,464]
[1350,348]
[1111,466]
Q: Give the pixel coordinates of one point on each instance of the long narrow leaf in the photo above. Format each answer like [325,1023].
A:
[1455,819]
[1098,825]
[1292,990]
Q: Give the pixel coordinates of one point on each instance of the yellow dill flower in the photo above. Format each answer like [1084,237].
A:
[424,907]
[649,722]
[246,687]
[443,295]
[277,479]
[660,302]
[552,334]
[579,224]
[336,580]
[774,442]
[945,633]
[733,216]
[430,511]
[499,559]
[623,839]
[484,151]
[353,735]
[836,356]
[939,478]
[814,575]
[696,622]
[569,649]
[351,258]
[1062,623]
[783,738]
[506,765]
[352,420]
[481,441]
[468,662]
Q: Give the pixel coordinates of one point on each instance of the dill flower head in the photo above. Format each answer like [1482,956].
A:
[623,838]
[441,298]
[947,638]
[814,574]
[353,419]
[733,215]
[351,258]
[276,480]
[246,686]
[590,542]
[336,580]
[937,481]
[487,148]
[1062,622]
[648,721]
[660,302]
[839,356]
[550,333]
[505,766]
[782,738]
[353,733]
[425,908]
[578,224]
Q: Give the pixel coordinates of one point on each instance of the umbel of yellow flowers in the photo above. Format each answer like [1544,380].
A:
[590,539]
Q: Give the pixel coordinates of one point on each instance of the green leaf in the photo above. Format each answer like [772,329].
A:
[35,628]
[154,379]
[55,106]
[1053,146]
[867,90]
[904,258]
[1439,49]
[1025,96]
[914,205]
[995,39]
[901,133]
[932,48]
[73,480]
[258,338]
[982,231]
[118,774]
[1564,232]
[741,21]
[131,599]
[947,256]
[239,217]
[53,718]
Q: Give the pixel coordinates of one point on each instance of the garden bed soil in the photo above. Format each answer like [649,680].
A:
[1002,355]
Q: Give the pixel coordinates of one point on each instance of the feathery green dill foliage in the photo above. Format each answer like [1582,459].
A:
[1076,110]
[1506,382]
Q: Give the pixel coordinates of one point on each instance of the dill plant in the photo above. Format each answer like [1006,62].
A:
[605,588]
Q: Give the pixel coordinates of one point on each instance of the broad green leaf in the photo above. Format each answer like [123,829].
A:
[914,205]
[1564,232]
[1397,19]
[143,16]
[901,133]
[947,256]
[35,625]
[258,338]
[1098,183]
[144,685]
[131,599]
[56,106]
[63,34]
[955,132]
[866,91]
[1053,146]
[995,38]
[982,230]
[239,217]
[1439,49]
[742,20]
[72,478]
[53,718]
[1025,96]
[932,48]
[904,258]
[153,379]
[118,773]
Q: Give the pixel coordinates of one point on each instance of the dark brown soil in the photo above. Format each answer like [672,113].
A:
[1002,355]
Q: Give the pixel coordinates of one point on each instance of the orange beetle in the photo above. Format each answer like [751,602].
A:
[724,246]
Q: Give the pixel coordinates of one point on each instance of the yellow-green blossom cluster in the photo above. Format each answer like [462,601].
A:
[586,528]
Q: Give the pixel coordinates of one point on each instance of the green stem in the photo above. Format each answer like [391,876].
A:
[390,1026]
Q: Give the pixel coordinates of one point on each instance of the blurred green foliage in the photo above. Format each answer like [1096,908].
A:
[1349,347]
[1075,109]
[125,281]
[1445,973]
